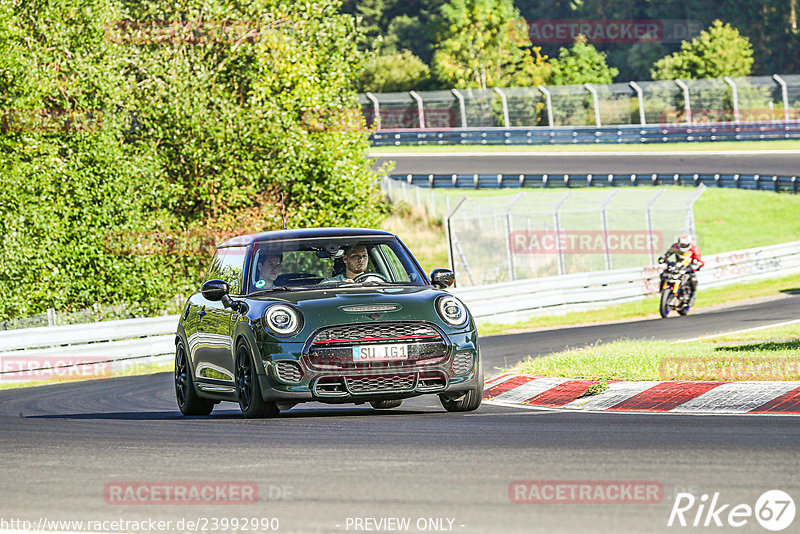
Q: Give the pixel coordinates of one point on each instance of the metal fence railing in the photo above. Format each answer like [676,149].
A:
[429,191]
[519,300]
[759,99]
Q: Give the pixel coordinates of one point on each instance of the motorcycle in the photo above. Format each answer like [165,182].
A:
[676,291]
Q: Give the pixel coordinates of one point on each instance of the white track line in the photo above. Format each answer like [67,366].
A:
[773,325]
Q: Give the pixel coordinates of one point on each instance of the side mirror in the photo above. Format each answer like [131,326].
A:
[215,290]
[442,278]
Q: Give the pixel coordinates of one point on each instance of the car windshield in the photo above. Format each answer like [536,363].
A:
[327,262]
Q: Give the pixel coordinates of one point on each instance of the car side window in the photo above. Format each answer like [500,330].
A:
[228,265]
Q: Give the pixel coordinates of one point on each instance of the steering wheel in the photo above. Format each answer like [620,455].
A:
[365,277]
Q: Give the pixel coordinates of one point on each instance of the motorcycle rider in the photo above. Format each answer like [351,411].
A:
[687,255]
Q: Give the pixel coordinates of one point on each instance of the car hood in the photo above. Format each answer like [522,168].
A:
[344,305]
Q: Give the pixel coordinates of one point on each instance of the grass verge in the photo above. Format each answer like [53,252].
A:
[770,354]
[655,147]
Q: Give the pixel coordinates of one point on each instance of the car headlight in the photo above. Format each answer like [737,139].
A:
[282,320]
[452,311]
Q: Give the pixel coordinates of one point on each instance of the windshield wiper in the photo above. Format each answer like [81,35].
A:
[269,290]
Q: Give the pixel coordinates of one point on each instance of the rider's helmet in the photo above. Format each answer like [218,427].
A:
[685,242]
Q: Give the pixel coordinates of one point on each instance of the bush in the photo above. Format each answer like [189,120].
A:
[394,72]
[125,130]
[718,51]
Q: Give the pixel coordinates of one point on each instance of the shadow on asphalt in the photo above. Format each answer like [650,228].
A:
[231,415]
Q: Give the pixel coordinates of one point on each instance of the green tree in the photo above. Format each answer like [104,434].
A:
[394,72]
[484,43]
[718,51]
[127,127]
[582,63]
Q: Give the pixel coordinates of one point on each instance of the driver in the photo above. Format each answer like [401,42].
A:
[355,263]
[686,255]
[267,270]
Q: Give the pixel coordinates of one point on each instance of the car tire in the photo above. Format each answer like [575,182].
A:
[386,404]
[467,401]
[186,396]
[664,308]
[248,392]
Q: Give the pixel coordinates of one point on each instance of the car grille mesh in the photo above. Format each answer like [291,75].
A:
[375,330]
[289,371]
[367,384]
[462,363]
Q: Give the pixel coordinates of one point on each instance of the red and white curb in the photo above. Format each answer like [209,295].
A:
[650,396]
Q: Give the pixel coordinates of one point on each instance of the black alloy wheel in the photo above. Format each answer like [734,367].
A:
[188,401]
[248,391]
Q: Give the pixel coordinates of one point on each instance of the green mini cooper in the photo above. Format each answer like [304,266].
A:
[334,315]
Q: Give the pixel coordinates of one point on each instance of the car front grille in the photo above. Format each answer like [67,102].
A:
[374,384]
[332,347]
[462,362]
[430,381]
[376,332]
[288,371]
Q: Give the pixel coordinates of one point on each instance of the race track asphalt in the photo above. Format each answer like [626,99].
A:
[316,465]
[764,163]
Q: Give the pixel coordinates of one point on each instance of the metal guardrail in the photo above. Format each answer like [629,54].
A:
[515,301]
[135,339]
[85,345]
[785,184]
[626,134]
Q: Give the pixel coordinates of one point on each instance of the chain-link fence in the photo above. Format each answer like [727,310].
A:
[712,100]
[505,237]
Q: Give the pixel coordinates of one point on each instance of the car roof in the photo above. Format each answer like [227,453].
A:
[303,233]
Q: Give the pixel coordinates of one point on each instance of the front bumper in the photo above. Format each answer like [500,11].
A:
[288,377]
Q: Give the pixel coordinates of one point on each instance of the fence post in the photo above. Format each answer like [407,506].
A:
[461,106]
[649,219]
[452,243]
[420,108]
[596,102]
[734,97]
[377,109]
[690,212]
[784,96]
[505,105]
[640,97]
[604,218]
[51,317]
[687,107]
[557,219]
[548,104]
[511,270]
